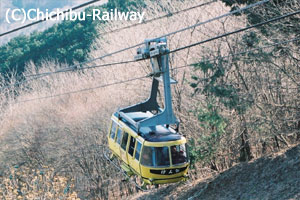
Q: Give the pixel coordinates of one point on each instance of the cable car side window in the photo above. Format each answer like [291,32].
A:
[179,154]
[119,135]
[113,130]
[138,150]
[147,156]
[131,146]
[124,140]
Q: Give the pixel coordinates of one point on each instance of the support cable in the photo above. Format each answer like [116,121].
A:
[142,77]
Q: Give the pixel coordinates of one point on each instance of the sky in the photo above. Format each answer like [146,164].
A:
[51,5]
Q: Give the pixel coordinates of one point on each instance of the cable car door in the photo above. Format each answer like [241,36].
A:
[133,159]
[123,148]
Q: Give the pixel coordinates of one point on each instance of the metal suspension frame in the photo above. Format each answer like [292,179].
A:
[159,58]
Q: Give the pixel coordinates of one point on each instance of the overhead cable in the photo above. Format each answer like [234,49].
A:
[142,77]
[77,66]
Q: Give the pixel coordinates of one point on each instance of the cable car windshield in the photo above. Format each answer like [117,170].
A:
[178,153]
[155,156]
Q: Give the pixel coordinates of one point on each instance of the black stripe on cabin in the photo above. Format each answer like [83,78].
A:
[168,171]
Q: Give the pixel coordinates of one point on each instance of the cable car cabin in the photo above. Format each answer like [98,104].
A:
[157,154]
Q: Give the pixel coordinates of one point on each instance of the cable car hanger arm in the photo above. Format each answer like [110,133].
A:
[157,51]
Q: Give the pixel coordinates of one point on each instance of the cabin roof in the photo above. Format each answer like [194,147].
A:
[157,133]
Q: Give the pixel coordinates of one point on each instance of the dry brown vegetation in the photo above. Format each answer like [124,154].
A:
[275,177]
[67,133]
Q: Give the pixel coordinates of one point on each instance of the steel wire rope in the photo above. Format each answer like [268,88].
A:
[165,35]
[179,49]
[116,30]
[160,17]
[237,31]
[178,31]
[143,22]
[238,53]
[134,46]
[142,77]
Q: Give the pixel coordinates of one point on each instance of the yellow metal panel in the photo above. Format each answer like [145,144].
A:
[134,164]
[165,181]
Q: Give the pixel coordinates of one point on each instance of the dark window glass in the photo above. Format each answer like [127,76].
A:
[113,130]
[178,154]
[138,150]
[162,156]
[119,135]
[155,156]
[124,140]
[147,156]
[131,146]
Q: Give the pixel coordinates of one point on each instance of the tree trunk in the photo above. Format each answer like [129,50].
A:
[245,151]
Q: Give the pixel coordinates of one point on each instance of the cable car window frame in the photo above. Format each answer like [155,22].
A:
[119,133]
[131,147]
[124,141]
[154,157]
[113,130]
[176,155]
[147,159]
[138,149]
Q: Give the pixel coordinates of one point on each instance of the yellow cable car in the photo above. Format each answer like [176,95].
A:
[158,154]
[145,142]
